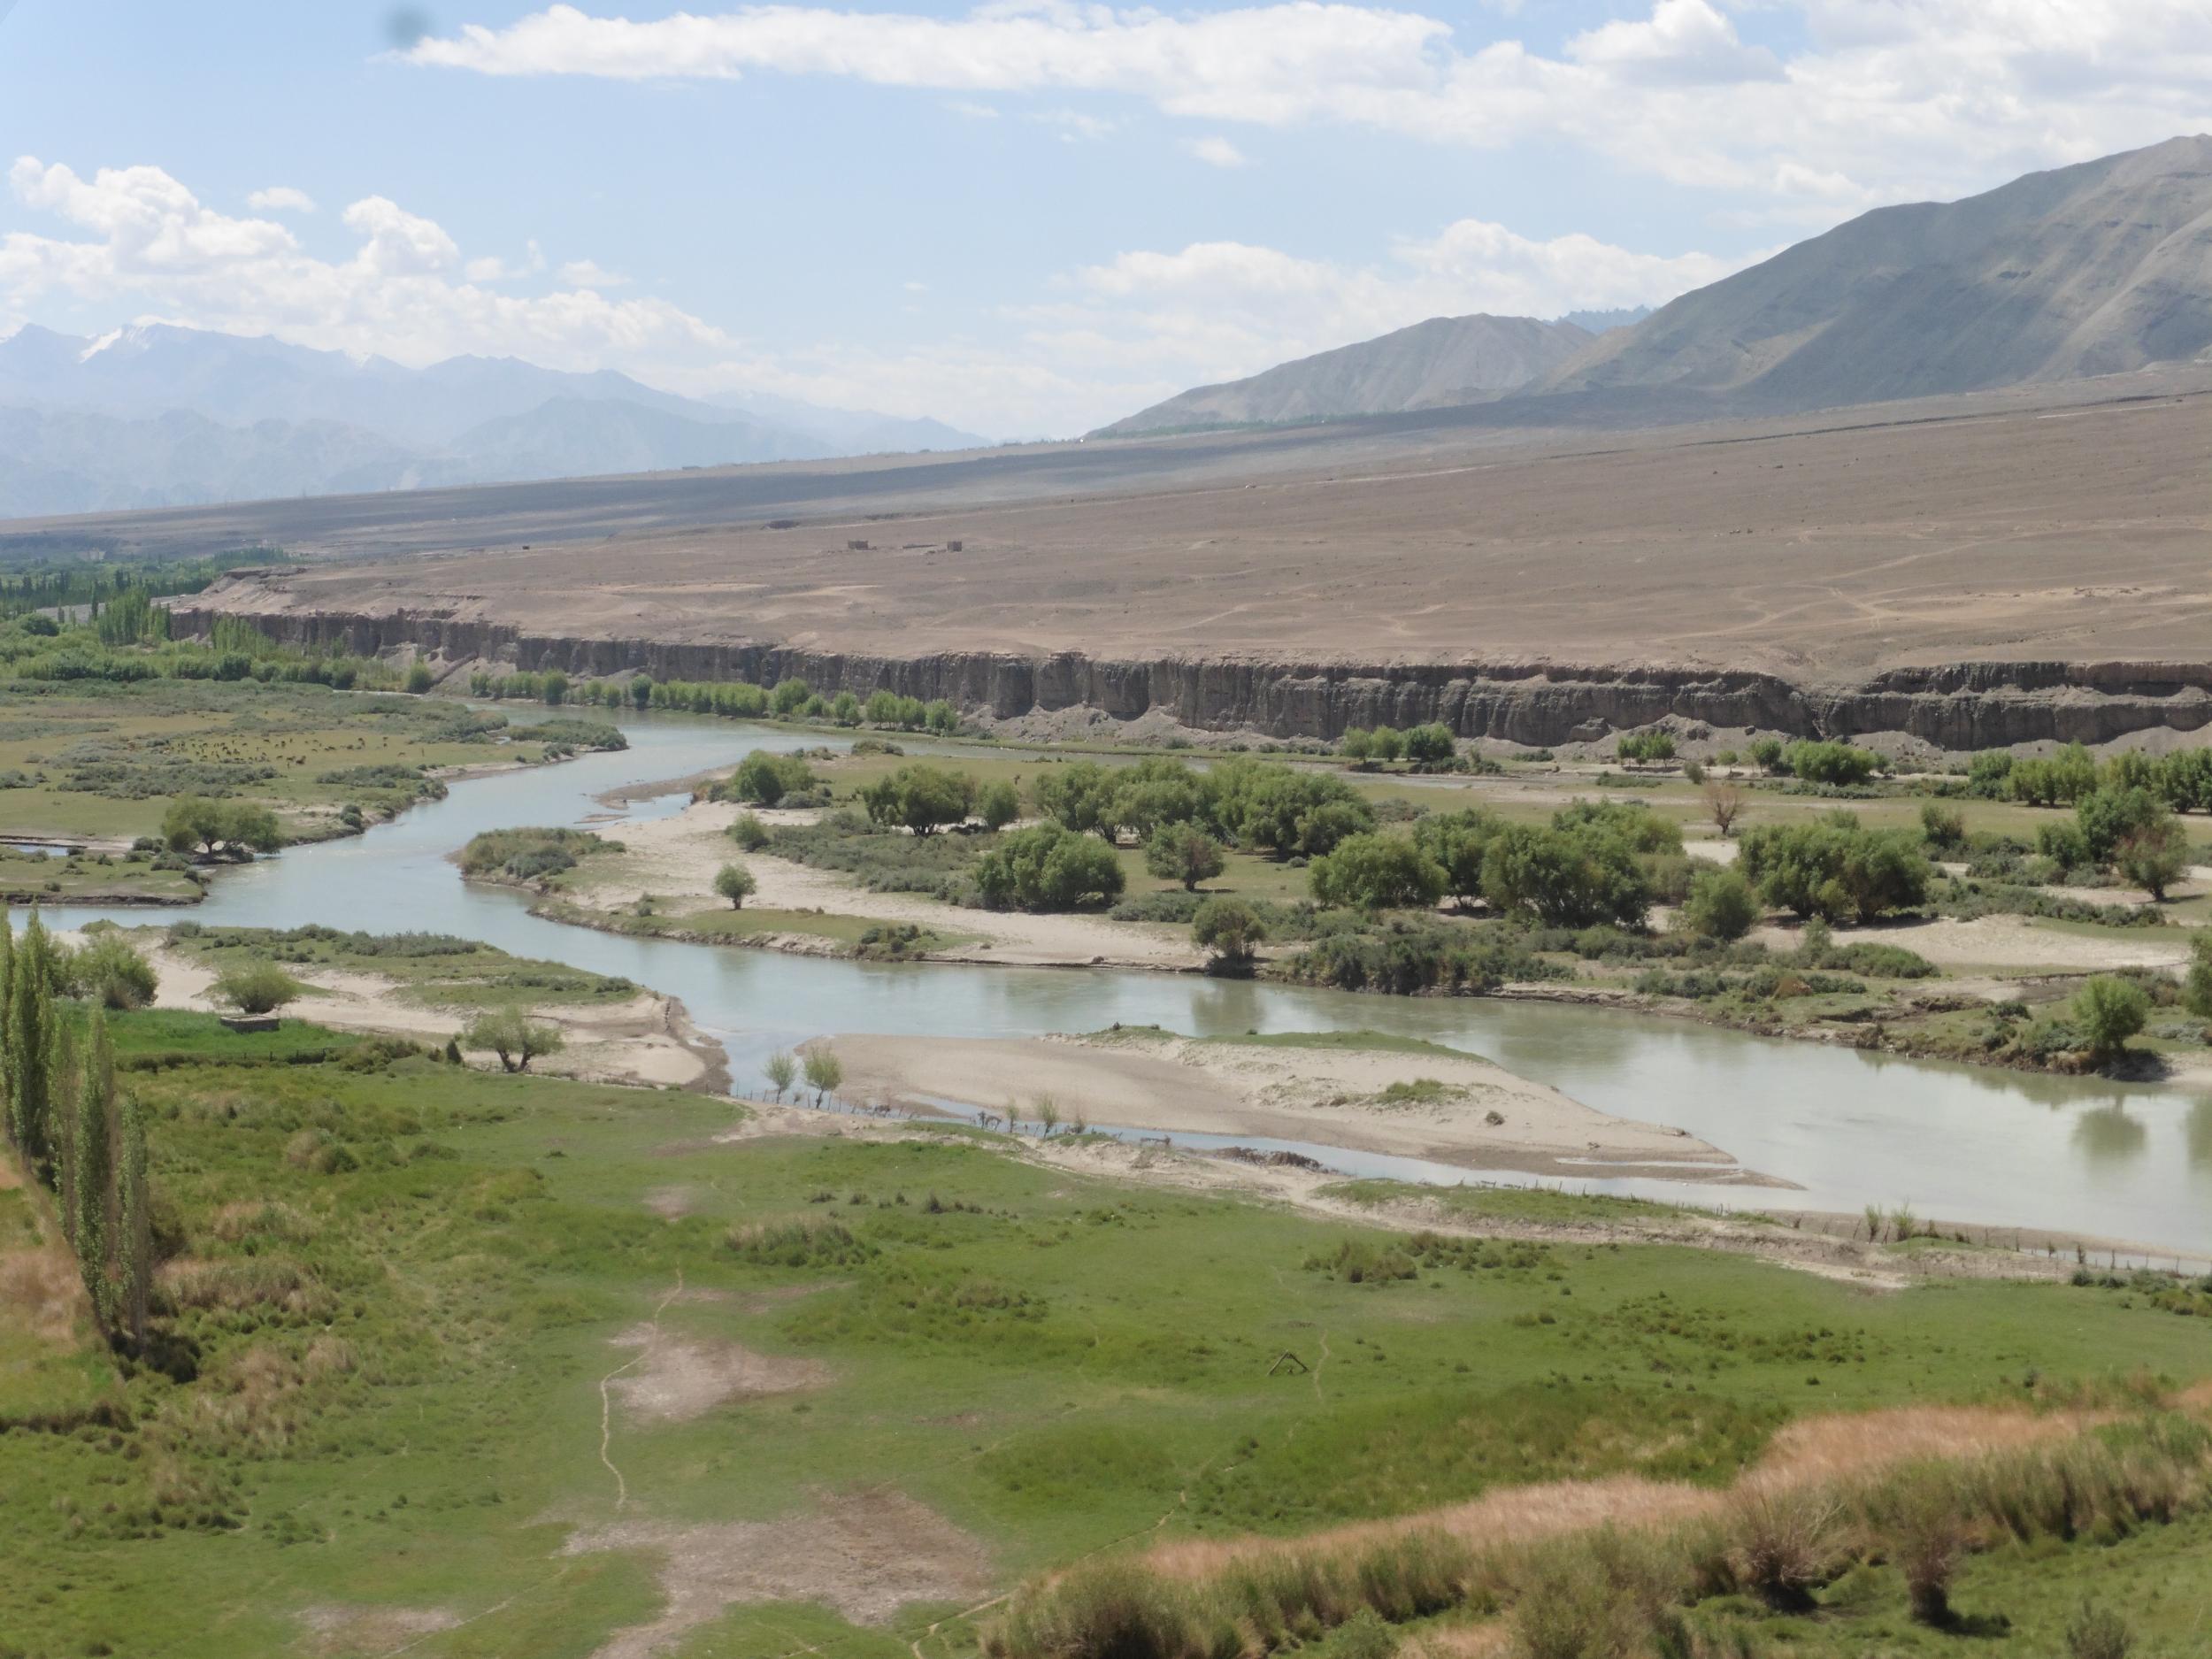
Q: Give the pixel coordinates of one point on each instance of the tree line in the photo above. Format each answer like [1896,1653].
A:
[73,1132]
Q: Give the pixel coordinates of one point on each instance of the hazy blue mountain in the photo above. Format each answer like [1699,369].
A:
[88,423]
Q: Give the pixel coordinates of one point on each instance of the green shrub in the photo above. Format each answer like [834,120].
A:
[921,798]
[1046,867]
[1829,763]
[1721,905]
[764,778]
[1184,853]
[1376,871]
[2106,1011]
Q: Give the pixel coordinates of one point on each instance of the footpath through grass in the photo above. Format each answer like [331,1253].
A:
[387,1323]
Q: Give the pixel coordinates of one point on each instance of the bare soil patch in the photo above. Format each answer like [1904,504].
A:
[866,1554]
[344,1632]
[1459,1110]
[678,1378]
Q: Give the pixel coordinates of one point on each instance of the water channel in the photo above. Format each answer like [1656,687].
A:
[1964,1143]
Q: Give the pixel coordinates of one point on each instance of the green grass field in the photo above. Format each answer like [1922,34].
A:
[397,1289]
[100,760]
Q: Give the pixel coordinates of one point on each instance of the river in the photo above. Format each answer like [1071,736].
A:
[1962,1143]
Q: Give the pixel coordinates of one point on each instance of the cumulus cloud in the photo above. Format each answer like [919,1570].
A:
[405,291]
[280,198]
[590,273]
[1106,339]
[1217,151]
[1894,97]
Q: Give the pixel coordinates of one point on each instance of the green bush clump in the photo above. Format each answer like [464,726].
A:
[530,855]
[1048,868]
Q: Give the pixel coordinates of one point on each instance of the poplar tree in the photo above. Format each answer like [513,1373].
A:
[134,1232]
[30,1045]
[92,1163]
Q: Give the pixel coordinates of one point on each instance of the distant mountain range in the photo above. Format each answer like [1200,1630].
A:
[161,415]
[1444,361]
[2091,269]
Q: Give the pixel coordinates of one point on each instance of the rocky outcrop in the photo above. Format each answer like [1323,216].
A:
[1957,706]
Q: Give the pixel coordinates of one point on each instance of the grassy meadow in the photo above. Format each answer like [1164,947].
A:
[475,1365]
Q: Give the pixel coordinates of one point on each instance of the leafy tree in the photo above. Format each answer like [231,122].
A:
[110,972]
[1046,867]
[825,1072]
[1158,790]
[1455,843]
[2155,856]
[1643,829]
[1184,853]
[1635,746]
[32,1049]
[1765,752]
[789,696]
[1942,827]
[921,798]
[781,1069]
[1430,745]
[1229,928]
[219,829]
[1289,811]
[1831,763]
[553,688]
[1357,745]
[1375,872]
[1989,774]
[256,987]
[1570,875]
[845,709]
[2196,991]
[2129,768]
[735,883]
[641,691]
[2063,844]
[764,779]
[2108,816]
[513,1036]
[2184,780]
[1386,743]
[939,716]
[92,1163]
[749,831]
[420,678]
[1721,905]
[2107,1011]
[1834,868]
[998,804]
[1078,796]
[133,1222]
[2068,774]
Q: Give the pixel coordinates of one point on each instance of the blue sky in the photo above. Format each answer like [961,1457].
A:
[1025,219]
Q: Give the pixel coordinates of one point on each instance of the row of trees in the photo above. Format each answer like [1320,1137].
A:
[1594,863]
[1426,747]
[73,1134]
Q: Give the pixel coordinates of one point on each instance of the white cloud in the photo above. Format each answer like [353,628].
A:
[405,291]
[1217,151]
[970,107]
[590,273]
[280,198]
[1075,127]
[1894,98]
[1108,338]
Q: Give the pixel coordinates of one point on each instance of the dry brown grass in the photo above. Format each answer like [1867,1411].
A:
[44,1292]
[1812,1450]
[239,1286]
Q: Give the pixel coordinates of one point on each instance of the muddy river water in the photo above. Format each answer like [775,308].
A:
[1851,1129]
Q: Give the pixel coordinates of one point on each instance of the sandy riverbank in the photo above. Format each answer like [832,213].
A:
[1447,1109]
[649,1040]
[673,860]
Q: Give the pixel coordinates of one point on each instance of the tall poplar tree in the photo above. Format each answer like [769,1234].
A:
[92,1165]
[134,1231]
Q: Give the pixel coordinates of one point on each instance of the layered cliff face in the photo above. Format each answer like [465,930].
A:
[1960,706]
